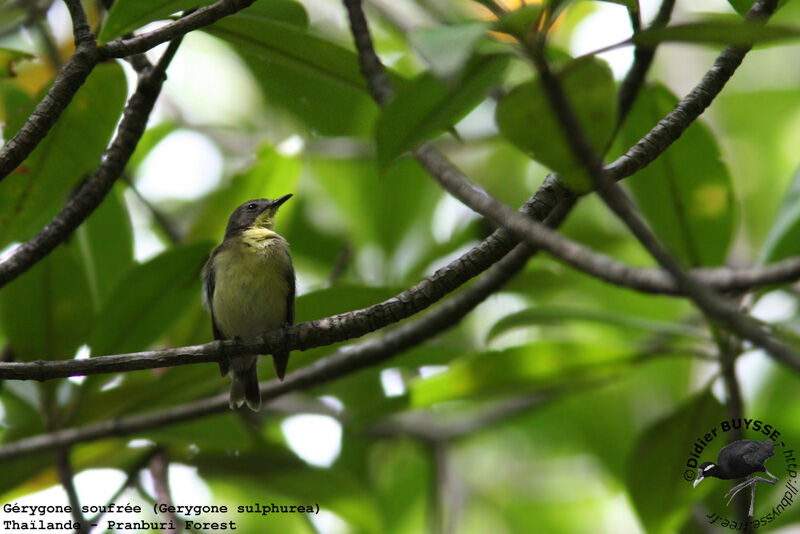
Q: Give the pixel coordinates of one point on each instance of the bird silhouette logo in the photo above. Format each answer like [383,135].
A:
[740,459]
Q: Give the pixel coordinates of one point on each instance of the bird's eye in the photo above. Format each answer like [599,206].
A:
[252,206]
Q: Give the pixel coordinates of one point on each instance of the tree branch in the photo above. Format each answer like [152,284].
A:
[94,190]
[66,475]
[320,332]
[69,79]
[692,106]
[713,305]
[642,59]
[343,362]
[356,323]
[203,16]
[359,322]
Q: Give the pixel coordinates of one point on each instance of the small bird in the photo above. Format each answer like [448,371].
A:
[738,460]
[249,288]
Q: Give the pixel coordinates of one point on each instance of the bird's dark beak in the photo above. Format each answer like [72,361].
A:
[277,203]
[698,480]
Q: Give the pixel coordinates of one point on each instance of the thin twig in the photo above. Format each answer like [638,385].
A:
[692,106]
[203,16]
[163,222]
[642,59]
[130,480]
[66,476]
[159,469]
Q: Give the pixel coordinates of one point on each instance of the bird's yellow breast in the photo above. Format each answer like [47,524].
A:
[251,288]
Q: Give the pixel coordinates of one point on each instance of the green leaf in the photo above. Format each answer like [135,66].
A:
[104,243]
[686,194]
[448,48]
[148,300]
[526,118]
[558,314]
[743,6]
[339,299]
[526,368]
[521,21]
[314,79]
[427,106]
[9,58]
[659,460]
[280,471]
[783,240]
[377,208]
[34,193]
[46,313]
[716,31]
[128,15]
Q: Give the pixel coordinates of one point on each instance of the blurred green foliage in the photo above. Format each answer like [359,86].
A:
[611,387]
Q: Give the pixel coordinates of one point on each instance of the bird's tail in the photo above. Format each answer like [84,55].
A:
[281,361]
[244,389]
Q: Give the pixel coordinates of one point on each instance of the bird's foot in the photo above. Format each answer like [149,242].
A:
[736,489]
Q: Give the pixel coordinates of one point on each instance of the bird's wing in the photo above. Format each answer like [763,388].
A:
[289,320]
[744,454]
[756,452]
[209,284]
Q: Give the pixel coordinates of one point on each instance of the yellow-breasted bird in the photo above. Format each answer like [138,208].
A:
[249,289]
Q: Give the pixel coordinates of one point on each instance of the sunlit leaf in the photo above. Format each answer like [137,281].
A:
[527,119]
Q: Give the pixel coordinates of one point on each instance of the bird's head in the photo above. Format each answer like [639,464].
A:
[704,470]
[256,213]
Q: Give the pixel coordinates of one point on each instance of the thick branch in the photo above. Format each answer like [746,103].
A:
[313,333]
[94,190]
[343,362]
